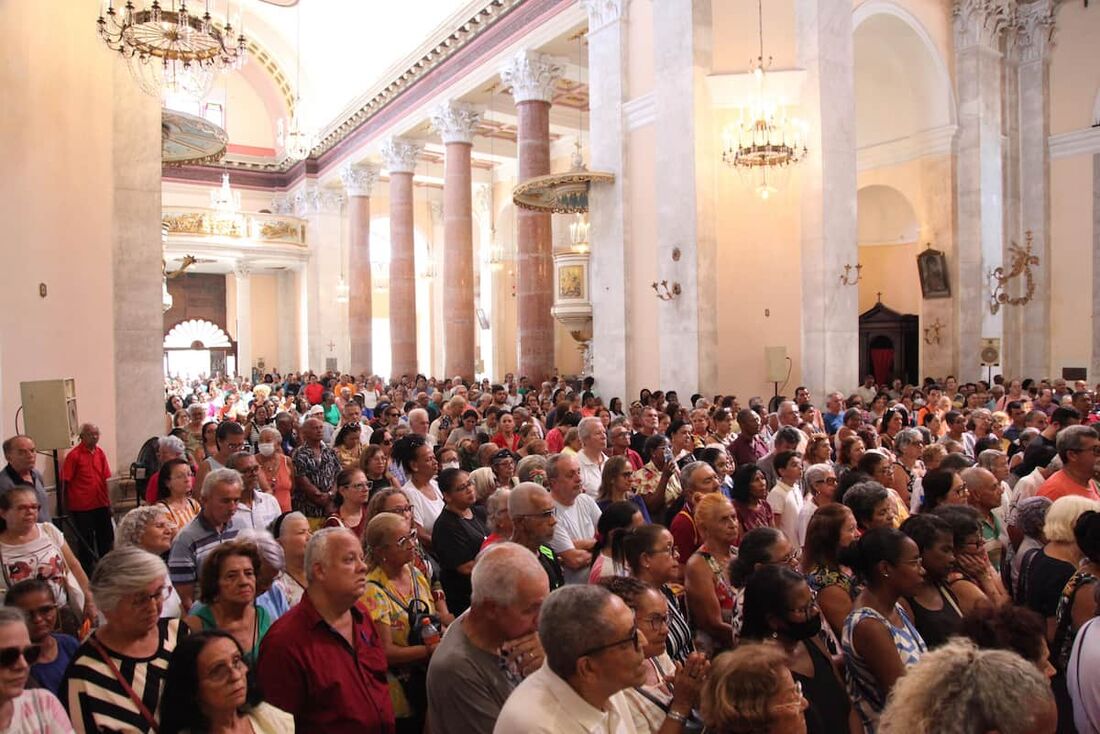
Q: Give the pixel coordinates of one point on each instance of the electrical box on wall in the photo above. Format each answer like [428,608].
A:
[49,412]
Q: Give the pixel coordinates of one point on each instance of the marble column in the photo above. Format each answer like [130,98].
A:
[830,311]
[358,181]
[455,123]
[287,307]
[979,188]
[608,284]
[243,274]
[531,77]
[399,158]
[1034,46]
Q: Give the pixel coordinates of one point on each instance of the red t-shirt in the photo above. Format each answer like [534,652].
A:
[313,392]
[1061,485]
[502,442]
[85,474]
[684,534]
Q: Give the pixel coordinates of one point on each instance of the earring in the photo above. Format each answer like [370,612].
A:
[885,575]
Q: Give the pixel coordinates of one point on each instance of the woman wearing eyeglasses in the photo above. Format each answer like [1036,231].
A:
[55,649]
[751,690]
[291,531]
[115,679]
[207,689]
[352,493]
[779,605]
[393,583]
[24,709]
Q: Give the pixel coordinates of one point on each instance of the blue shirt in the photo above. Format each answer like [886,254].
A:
[833,422]
[51,674]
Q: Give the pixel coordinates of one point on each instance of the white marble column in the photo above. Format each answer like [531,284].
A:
[325,333]
[830,311]
[609,288]
[286,317]
[1034,45]
[980,183]
[358,181]
[685,157]
[242,271]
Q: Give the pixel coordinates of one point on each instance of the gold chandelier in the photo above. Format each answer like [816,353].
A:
[171,51]
[765,139]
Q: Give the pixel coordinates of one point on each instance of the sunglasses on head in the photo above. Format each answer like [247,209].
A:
[9,656]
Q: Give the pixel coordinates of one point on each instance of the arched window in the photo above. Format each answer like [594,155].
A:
[196,334]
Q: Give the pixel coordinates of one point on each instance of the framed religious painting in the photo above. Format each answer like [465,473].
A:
[932,268]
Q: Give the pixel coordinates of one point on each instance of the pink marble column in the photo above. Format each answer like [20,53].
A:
[399,157]
[455,124]
[358,181]
[531,77]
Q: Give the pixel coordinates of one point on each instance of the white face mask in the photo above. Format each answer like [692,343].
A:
[450,464]
[267,449]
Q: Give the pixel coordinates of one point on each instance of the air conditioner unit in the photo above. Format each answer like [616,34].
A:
[991,352]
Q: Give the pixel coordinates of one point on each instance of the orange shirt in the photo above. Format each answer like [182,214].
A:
[1061,485]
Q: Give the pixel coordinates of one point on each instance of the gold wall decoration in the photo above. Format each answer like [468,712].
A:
[259,227]
[1023,260]
[932,332]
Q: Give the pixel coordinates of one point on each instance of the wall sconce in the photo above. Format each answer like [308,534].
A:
[932,333]
[1022,262]
[845,277]
[666,292]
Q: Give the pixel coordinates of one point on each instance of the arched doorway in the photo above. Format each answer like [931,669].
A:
[196,348]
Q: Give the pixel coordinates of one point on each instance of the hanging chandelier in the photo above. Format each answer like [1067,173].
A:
[765,139]
[225,202]
[293,136]
[171,51]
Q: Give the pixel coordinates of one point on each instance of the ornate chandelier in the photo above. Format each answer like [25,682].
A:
[765,139]
[225,202]
[296,140]
[171,51]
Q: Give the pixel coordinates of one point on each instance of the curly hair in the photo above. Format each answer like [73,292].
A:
[959,689]
[736,694]
[627,588]
[133,525]
[1008,627]
[405,448]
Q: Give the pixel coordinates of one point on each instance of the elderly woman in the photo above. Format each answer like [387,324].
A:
[458,536]
[485,483]
[706,576]
[395,502]
[115,679]
[821,483]
[1058,560]
[497,519]
[872,505]
[276,469]
[394,584]
[30,549]
[907,470]
[1028,516]
[152,529]
[55,649]
[532,469]
[616,483]
[174,492]
[23,709]
[207,688]
[227,590]
[291,531]
[961,688]
[751,690]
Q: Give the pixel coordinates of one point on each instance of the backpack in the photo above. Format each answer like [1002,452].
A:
[145,465]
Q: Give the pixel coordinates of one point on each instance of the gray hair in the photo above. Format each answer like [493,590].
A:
[496,502]
[498,571]
[906,437]
[688,471]
[220,476]
[520,499]
[572,622]
[173,444]
[15,615]
[288,516]
[528,465]
[789,434]
[136,521]
[988,458]
[587,427]
[1072,438]
[815,473]
[122,572]
[317,548]
[552,465]
[235,460]
[270,431]
[270,550]
[958,689]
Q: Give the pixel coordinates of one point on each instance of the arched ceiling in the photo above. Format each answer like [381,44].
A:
[885,217]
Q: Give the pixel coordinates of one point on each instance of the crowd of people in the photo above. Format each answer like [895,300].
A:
[325,553]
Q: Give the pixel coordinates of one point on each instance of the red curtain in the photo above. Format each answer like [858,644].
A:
[882,364]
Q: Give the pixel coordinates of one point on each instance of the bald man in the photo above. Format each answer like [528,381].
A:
[85,475]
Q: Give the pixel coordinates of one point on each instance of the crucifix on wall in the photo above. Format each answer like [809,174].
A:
[332,346]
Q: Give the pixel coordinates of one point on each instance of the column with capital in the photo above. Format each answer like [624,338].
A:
[455,124]
[531,77]
[399,158]
[358,180]
[242,272]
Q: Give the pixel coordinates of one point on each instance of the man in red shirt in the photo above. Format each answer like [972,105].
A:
[1079,449]
[323,660]
[314,390]
[85,474]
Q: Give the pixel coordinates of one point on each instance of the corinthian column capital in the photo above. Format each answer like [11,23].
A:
[359,178]
[982,22]
[455,122]
[399,155]
[602,13]
[531,76]
[1035,30]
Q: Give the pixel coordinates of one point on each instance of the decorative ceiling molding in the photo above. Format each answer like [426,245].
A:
[1078,142]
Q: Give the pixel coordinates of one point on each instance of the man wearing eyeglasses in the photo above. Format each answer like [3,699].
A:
[257,509]
[533,521]
[1079,450]
[593,653]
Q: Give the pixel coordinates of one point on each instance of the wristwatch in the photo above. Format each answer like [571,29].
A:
[678,718]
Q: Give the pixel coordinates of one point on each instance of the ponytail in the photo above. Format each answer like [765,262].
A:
[628,544]
[871,549]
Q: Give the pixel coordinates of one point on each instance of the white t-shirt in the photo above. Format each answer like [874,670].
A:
[37,710]
[575,522]
[809,507]
[786,501]
[425,511]
[591,474]
[40,558]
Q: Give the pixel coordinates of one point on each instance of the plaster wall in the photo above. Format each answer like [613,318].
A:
[643,342]
[1074,75]
[1071,235]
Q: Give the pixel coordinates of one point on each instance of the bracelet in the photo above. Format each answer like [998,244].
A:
[678,718]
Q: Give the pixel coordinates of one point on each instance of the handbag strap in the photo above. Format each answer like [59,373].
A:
[142,708]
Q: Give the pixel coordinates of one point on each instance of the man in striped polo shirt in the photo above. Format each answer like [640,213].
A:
[220,494]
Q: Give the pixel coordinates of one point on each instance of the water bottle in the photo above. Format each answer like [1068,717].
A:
[429,633]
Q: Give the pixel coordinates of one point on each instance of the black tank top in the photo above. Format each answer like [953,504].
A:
[936,625]
[829,704]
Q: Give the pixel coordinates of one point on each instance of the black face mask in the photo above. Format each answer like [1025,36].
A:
[803,630]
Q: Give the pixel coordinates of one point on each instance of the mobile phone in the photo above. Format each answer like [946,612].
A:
[667,454]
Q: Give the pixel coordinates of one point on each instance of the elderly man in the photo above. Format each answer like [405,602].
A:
[533,521]
[984,495]
[593,653]
[19,452]
[619,443]
[577,515]
[85,474]
[220,493]
[1078,447]
[315,467]
[353,415]
[749,446]
[697,479]
[834,413]
[492,647]
[419,423]
[646,428]
[591,457]
[323,661]
[257,509]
